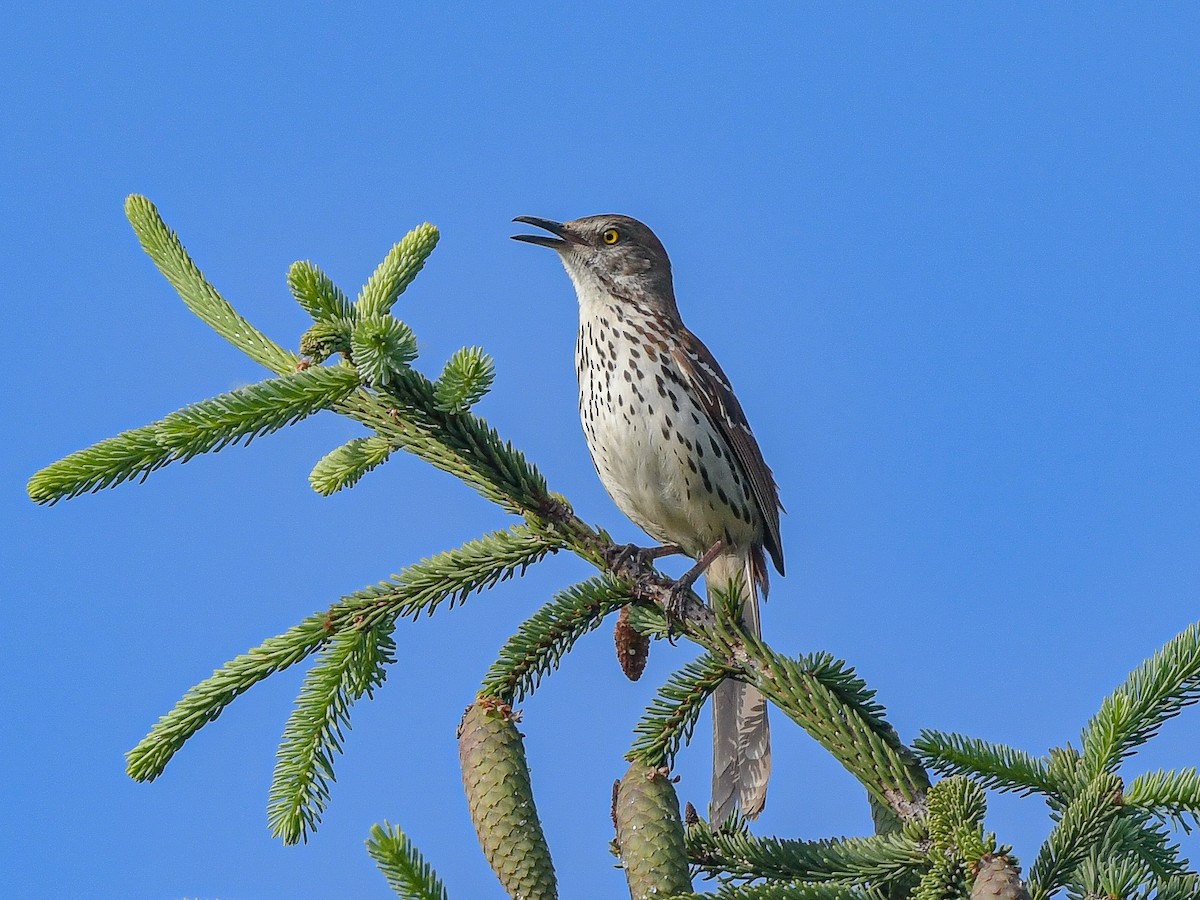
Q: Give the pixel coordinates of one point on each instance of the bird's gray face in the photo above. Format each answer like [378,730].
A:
[614,254]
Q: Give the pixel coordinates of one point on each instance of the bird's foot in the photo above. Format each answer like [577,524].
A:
[622,557]
[674,607]
[675,603]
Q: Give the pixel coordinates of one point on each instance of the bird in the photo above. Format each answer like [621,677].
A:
[675,452]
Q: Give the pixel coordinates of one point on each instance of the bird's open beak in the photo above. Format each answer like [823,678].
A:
[563,236]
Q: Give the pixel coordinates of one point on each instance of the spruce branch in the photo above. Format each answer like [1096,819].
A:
[204,702]
[316,292]
[401,265]
[995,766]
[466,378]
[823,696]
[325,338]
[1179,887]
[343,466]
[451,575]
[255,410]
[543,639]
[956,809]
[1082,824]
[381,347]
[351,667]
[785,890]
[408,414]
[163,247]
[669,720]
[406,871]
[877,860]
[1153,693]
[1168,794]
[233,417]
[1140,837]
[131,454]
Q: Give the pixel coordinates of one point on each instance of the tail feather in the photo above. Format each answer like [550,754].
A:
[741,733]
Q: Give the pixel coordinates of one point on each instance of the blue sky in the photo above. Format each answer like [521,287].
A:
[949,257]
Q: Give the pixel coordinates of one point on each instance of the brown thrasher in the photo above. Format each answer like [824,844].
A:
[674,451]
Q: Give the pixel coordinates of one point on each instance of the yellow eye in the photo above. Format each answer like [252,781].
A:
[610,236]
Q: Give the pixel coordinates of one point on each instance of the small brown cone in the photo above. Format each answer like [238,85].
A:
[633,647]
[650,834]
[998,879]
[496,779]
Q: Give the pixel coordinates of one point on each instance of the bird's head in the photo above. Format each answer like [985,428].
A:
[614,254]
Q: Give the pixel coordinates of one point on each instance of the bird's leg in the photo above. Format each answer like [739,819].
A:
[619,556]
[677,598]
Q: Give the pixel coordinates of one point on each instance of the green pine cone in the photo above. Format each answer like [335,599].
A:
[496,779]
[998,879]
[650,834]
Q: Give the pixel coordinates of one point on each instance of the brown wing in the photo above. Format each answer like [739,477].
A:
[705,377]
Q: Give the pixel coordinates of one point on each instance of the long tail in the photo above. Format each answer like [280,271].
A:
[741,734]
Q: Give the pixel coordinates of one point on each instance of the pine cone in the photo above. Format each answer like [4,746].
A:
[998,879]
[496,779]
[633,647]
[650,834]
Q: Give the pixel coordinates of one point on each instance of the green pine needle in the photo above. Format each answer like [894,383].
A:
[352,667]
[462,444]
[783,890]
[344,466]
[954,804]
[406,871]
[1168,794]
[419,588]
[1179,887]
[162,245]
[204,702]
[1082,825]
[1142,837]
[317,293]
[1153,693]
[544,638]
[874,860]
[465,379]
[402,264]
[254,410]
[240,415]
[669,720]
[131,454]
[381,347]
[995,766]
[828,700]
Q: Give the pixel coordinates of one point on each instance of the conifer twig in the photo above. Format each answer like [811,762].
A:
[406,871]
[447,577]
[353,665]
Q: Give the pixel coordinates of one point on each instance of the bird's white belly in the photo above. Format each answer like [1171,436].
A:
[646,455]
